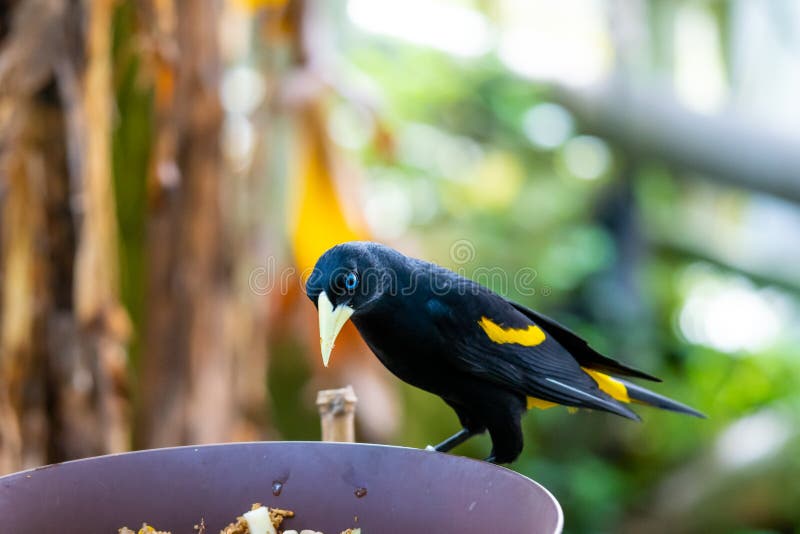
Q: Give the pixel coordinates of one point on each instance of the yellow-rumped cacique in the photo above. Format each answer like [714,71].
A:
[490,359]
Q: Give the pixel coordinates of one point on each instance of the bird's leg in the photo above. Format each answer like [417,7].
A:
[506,433]
[453,441]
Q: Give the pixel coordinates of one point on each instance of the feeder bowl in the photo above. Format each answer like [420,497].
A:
[330,487]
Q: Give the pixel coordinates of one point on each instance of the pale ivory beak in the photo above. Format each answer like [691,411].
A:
[331,322]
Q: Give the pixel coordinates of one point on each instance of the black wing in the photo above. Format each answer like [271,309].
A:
[545,371]
[579,348]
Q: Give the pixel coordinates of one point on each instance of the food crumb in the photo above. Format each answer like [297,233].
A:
[146,529]
[240,526]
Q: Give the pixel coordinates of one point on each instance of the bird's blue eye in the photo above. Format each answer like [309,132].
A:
[350,281]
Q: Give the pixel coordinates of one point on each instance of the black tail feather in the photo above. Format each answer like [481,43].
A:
[595,400]
[645,396]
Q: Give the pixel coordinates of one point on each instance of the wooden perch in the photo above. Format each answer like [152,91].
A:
[337,408]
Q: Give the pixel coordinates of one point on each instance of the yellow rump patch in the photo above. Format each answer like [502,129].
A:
[542,404]
[616,389]
[527,337]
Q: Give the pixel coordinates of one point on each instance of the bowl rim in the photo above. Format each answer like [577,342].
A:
[485,465]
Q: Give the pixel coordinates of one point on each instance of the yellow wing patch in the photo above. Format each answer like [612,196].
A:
[532,336]
[527,337]
[614,388]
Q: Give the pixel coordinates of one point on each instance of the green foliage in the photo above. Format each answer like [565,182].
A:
[293,411]
[622,287]
[130,159]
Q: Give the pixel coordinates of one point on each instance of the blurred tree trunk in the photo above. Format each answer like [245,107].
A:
[63,331]
[63,344]
[186,361]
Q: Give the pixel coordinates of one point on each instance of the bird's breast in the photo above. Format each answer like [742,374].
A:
[407,349]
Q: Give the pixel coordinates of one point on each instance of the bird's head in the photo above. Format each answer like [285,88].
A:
[347,280]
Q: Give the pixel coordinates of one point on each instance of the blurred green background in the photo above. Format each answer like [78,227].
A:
[629,168]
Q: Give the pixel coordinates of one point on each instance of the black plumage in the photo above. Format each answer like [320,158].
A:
[487,357]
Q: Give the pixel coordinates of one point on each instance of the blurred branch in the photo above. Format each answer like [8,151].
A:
[725,147]
[690,252]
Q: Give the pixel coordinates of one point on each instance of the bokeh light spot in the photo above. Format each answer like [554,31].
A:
[587,157]
[547,125]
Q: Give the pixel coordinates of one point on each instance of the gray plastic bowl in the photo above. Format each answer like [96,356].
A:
[330,486]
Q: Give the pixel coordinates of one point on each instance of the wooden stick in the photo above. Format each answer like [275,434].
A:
[337,408]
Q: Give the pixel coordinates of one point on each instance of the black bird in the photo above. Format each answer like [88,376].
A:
[490,359]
